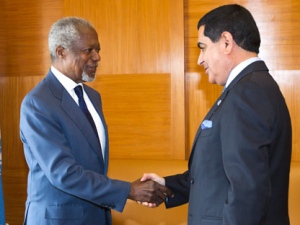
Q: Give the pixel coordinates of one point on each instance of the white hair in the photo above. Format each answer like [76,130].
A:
[64,32]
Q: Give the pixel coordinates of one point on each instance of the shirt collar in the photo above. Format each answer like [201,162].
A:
[68,83]
[236,70]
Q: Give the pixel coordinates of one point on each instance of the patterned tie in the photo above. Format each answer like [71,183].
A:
[84,109]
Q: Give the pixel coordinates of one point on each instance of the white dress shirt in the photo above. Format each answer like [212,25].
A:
[69,85]
[236,70]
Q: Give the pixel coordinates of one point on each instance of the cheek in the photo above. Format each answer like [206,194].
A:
[71,63]
[79,65]
[216,68]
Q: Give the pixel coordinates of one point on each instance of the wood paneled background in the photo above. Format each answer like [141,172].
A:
[154,93]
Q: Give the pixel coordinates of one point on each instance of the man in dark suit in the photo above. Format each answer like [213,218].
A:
[240,161]
[67,155]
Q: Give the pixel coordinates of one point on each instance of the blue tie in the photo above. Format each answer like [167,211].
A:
[84,109]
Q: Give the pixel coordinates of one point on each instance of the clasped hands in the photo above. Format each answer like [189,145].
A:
[150,190]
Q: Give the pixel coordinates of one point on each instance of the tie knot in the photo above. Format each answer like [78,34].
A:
[78,91]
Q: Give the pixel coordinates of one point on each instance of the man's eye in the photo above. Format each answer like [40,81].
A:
[89,50]
[202,48]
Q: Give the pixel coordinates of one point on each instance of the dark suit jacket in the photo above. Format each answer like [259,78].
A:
[239,167]
[67,182]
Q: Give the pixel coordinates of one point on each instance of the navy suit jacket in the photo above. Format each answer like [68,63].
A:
[67,182]
[240,160]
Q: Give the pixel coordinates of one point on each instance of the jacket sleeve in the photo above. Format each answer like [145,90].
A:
[180,185]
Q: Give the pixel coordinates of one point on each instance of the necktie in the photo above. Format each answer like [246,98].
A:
[84,109]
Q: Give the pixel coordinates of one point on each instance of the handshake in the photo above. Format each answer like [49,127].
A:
[149,191]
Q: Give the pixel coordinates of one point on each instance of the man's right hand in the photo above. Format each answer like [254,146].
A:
[148,191]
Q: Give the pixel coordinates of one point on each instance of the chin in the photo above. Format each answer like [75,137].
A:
[212,81]
[87,78]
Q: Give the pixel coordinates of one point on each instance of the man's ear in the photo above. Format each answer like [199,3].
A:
[60,52]
[226,42]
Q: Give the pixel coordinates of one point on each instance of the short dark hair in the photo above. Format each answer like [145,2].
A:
[236,20]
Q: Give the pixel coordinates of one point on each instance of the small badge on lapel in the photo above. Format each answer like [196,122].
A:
[206,124]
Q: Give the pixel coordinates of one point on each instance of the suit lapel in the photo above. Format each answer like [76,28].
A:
[74,112]
[207,117]
[256,66]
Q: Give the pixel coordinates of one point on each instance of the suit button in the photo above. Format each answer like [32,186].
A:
[191,181]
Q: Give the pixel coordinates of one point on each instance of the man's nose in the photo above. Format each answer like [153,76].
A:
[200,59]
[96,56]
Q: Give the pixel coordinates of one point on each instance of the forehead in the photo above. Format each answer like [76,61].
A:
[88,36]
[201,38]
[87,32]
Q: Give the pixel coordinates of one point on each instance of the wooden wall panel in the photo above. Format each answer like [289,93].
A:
[137,110]
[143,42]
[135,214]
[139,39]
[25,26]
[134,35]
[279,27]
